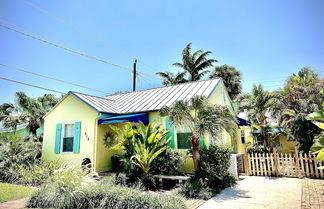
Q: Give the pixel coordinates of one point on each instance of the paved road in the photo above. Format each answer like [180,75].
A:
[254,192]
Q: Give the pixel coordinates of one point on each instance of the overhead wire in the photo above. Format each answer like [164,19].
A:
[31,85]
[87,33]
[39,38]
[51,78]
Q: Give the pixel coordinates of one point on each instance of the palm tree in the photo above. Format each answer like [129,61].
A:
[231,78]
[171,79]
[33,109]
[304,78]
[259,106]
[9,116]
[303,94]
[201,118]
[195,64]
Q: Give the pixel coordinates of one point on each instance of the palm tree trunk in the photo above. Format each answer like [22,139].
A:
[195,147]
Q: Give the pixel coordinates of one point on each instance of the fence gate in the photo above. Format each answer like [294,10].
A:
[275,164]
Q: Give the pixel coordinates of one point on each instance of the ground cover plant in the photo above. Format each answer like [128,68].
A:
[72,188]
[10,192]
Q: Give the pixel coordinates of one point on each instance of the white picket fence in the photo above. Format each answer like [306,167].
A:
[278,164]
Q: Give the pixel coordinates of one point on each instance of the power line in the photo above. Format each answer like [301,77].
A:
[63,47]
[51,78]
[37,37]
[86,33]
[30,85]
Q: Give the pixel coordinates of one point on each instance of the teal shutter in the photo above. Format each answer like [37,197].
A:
[57,146]
[77,134]
[169,126]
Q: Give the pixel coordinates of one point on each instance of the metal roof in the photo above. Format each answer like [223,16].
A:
[149,99]
[100,104]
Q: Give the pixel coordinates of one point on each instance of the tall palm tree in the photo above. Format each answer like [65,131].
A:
[195,64]
[171,79]
[9,116]
[201,118]
[231,77]
[259,106]
[33,109]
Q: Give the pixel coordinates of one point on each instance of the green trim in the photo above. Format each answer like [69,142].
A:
[57,147]
[76,141]
[169,126]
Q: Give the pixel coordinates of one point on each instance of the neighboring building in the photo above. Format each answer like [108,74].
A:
[74,129]
[249,135]
[21,131]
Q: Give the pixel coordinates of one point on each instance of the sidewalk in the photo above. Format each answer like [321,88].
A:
[255,192]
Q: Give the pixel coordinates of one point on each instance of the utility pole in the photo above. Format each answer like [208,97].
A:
[134,75]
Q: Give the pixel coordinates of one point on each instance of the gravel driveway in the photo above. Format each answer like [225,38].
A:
[255,192]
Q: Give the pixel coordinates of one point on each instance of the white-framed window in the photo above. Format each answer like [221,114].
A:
[67,137]
[242,136]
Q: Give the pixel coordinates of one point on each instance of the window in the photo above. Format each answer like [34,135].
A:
[243,136]
[67,137]
[183,140]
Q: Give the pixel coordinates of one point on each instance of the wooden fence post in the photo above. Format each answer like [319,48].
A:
[298,174]
[276,161]
[246,163]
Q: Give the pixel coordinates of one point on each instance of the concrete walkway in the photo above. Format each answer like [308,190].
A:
[254,192]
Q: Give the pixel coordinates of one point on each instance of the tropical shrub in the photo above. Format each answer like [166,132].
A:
[35,173]
[64,189]
[303,94]
[168,163]
[318,147]
[141,145]
[213,175]
[70,192]
[17,151]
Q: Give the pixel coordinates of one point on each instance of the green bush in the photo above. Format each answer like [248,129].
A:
[213,175]
[258,149]
[168,163]
[15,151]
[64,190]
[35,173]
[72,190]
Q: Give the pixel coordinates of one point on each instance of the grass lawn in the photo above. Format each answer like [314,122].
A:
[13,192]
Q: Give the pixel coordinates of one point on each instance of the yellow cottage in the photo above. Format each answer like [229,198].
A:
[74,129]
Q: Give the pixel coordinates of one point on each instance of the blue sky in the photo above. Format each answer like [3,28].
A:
[265,40]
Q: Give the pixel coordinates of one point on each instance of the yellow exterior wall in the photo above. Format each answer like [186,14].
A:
[285,145]
[70,110]
[103,154]
[241,148]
